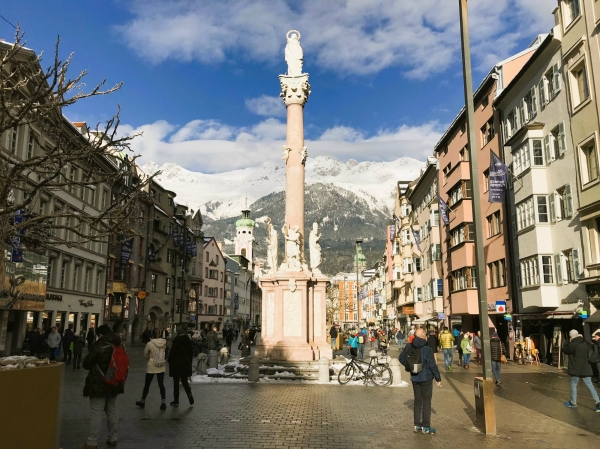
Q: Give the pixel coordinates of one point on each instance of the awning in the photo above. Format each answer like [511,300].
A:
[157,268]
[425,319]
[562,312]
[594,317]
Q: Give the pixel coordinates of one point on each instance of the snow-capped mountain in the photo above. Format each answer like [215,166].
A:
[223,195]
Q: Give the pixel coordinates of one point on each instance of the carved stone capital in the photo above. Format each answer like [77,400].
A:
[294,89]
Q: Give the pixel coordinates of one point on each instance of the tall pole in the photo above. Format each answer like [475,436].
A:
[487,386]
[183,269]
[358,242]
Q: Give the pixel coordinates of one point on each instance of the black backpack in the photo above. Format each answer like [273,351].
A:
[593,356]
[413,363]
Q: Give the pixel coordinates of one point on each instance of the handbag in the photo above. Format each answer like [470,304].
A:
[503,358]
[240,346]
[469,348]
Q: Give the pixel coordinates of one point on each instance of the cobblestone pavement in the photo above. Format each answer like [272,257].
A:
[289,415]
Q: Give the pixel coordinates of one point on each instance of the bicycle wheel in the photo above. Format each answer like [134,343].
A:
[381,375]
[346,374]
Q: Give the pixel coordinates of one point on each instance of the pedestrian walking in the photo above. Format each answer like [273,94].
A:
[466,346]
[579,367]
[417,358]
[146,335]
[458,341]
[496,353]
[361,345]
[245,343]
[180,365]
[67,339]
[353,344]
[400,339]
[447,344]
[477,347]
[596,351]
[103,397]
[333,333]
[90,337]
[78,344]
[54,340]
[434,344]
[228,338]
[212,339]
[155,354]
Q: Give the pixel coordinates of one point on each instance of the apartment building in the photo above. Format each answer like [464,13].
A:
[426,253]
[212,299]
[455,189]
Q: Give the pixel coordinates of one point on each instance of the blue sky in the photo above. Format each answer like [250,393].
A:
[200,77]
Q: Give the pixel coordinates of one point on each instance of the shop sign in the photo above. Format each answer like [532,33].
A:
[501,306]
[441,316]
[491,307]
[142,294]
[50,297]
[408,310]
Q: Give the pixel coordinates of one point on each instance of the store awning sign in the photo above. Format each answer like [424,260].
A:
[501,306]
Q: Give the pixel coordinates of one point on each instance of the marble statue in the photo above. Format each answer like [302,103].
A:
[293,239]
[293,53]
[286,153]
[304,155]
[315,248]
[271,246]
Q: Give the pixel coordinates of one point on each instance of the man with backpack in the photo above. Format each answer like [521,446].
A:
[400,339]
[107,364]
[361,345]
[418,360]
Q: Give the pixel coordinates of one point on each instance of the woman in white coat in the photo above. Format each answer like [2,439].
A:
[156,365]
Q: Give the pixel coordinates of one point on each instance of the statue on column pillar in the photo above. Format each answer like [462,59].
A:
[293,53]
[293,239]
[271,246]
[315,248]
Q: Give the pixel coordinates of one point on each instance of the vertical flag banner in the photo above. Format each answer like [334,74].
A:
[417,238]
[126,248]
[175,237]
[392,232]
[443,207]
[497,179]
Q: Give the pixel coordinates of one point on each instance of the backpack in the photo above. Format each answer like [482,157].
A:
[361,339]
[159,357]
[118,367]
[593,356]
[413,363]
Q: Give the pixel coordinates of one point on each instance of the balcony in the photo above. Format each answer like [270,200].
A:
[464,302]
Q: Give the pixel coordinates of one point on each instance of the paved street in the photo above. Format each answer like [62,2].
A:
[289,415]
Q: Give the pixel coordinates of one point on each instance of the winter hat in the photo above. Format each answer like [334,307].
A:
[573,333]
[104,329]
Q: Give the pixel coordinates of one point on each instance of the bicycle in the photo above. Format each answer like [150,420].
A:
[377,371]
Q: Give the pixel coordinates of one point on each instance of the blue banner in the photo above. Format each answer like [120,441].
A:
[497,179]
[126,248]
[175,237]
[443,207]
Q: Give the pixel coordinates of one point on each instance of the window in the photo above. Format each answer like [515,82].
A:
[407,265]
[213,274]
[98,274]
[179,284]
[511,124]
[86,280]
[572,11]
[463,128]
[30,145]
[542,209]
[168,286]
[494,224]
[530,102]
[169,256]
[404,210]
[579,84]
[14,140]
[464,154]
[406,236]
[552,82]
[522,158]
[418,266]
[445,173]
[153,283]
[461,190]
[436,251]
[525,217]
[212,292]
[484,102]
[464,278]
[561,203]
[555,144]
[542,90]
[418,294]
[529,272]
[538,154]
[464,233]
[486,180]
[589,162]
[75,277]
[212,310]
[397,249]
[487,132]
[547,267]
[497,273]
[572,264]
[104,199]
[63,274]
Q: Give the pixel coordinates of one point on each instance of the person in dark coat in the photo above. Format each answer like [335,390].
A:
[422,382]
[103,397]
[434,344]
[91,336]
[212,339]
[78,344]
[458,340]
[229,338]
[496,352]
[68,338]
[180,365]
[246,343]
[579,367]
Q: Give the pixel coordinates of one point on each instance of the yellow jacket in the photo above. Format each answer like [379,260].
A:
[446,340]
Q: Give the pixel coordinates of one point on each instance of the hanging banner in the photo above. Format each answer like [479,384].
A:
[376,297]
[126,248]
[392,232]
[497,179]
[443,207]
[417,238]
[175,237]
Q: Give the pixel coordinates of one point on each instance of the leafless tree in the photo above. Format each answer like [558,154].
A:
[332,303]
[55,156]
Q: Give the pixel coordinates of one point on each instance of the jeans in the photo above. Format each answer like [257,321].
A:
[333,343]
[422,409]
[186,387]
[400,341]
[361,350]
[76,360]
[448,357]
[588,383]
[467,358]
[161,386]
[496,369]
[100,406]
[460,357]
[353,351]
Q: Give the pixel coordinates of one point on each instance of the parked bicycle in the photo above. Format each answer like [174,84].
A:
[376,371]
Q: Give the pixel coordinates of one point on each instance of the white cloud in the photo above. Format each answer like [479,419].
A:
[267,106]
[353,37]
[249,146]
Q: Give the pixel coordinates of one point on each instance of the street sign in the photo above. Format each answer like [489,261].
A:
[501,306]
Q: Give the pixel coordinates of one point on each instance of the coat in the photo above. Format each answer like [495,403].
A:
[333,332]
[91,335]
[430,369]
[150,351]
[100,354]
[446,340]
[463,345]
[180,357]
[54,340]
[577,350]
[496,349]
[433,343]
[212,340]
[78,345]
[245,345]
[68,338]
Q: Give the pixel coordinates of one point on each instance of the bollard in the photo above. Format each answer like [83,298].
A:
[323,370]
[213,359]
[253,369]
[396,371]
[224,356]
[201,364]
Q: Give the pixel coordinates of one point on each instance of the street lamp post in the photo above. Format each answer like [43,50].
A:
[484,387]
[358,242]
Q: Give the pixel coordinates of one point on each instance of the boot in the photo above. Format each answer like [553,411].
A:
[140,404]
[191,398]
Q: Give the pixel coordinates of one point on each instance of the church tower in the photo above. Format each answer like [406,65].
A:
[244,237]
